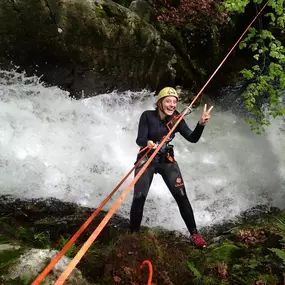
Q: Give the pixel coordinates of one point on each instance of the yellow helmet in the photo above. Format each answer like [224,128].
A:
[167,91]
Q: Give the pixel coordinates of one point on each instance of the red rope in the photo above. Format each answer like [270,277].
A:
[147,262]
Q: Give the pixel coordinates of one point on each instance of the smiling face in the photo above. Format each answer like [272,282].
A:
[167,105]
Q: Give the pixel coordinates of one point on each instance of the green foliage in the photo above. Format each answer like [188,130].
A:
[236,6]
[266,77]
[22,233]
[223,253]
[71,251]
[7,260]
[194,270]
[280,253]
[8,257]
[41,239]
[16,281]
[281,227]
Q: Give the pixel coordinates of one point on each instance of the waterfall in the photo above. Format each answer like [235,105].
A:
[78,150]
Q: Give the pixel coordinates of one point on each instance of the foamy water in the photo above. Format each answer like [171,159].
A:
[78,150]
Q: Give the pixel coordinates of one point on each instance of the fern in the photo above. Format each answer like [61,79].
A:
[280,253]
[194,270]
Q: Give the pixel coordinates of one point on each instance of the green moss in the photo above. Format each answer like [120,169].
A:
[7,258]
[252,269]
[175,261]
[269,278]
[16,281]
[37,19]
[99,11]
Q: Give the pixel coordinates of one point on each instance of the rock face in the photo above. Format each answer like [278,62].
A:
[246,250]
[44,226]
[90,45]
[31,263]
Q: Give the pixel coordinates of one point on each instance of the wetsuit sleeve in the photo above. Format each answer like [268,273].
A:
[142,131]
[188,134]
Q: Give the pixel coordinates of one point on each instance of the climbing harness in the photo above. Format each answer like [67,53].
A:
[171,126]
[166,154]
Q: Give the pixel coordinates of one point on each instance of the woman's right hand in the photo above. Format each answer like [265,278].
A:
[151,144]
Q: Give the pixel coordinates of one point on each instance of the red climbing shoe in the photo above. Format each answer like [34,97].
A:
[198,240]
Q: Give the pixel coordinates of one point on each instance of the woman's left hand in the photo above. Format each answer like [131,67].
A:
[205,115]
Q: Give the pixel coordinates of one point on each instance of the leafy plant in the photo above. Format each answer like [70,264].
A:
[22,233]
[194,270]
[41,239]
[71,251]
[281,227]
[280,253]
[266,77]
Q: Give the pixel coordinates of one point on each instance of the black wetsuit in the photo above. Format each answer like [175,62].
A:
[151,127]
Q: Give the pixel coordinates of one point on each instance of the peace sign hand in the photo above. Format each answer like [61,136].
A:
[205,115]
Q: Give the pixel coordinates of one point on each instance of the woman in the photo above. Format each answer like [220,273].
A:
[152,128]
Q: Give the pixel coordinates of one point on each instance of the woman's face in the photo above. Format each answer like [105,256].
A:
[168,105]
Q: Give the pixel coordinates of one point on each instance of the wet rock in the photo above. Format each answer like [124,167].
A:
[29,265]
[86,47]
[30,224]
[143,9]
[55,218]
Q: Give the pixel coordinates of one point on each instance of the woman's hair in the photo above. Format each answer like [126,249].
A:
[157,104]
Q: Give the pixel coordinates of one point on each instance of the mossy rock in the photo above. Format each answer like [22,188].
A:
[226,261]
[9,255]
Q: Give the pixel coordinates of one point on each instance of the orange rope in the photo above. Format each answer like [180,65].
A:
[108,216]
[117,203]
[214,73]
[143,149]
[150,270]
[111,212]
[172,121]
[49,267]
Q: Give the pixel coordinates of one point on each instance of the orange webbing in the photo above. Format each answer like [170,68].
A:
[172,121]
[49,267]
[143,149]
[111,212]
[108,216]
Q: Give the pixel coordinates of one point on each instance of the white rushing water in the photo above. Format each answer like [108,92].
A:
[78,150]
